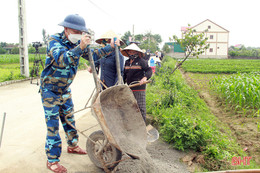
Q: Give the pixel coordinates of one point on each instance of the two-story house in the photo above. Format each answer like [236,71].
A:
[218,38]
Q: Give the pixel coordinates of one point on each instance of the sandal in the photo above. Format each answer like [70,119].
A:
[56,167]
[76,150]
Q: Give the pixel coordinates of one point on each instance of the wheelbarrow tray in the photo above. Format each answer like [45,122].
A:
[120,118]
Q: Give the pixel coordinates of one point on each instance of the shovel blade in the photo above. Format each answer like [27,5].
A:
[152,133]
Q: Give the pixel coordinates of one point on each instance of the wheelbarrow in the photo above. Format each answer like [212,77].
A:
[123,127]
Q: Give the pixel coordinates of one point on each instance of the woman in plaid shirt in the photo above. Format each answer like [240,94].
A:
[137,70]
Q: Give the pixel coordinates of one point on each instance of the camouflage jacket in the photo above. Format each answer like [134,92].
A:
[62,62]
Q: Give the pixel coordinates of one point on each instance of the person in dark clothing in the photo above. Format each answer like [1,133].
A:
[107,64]
[162,55]
[137,70]
[146,55]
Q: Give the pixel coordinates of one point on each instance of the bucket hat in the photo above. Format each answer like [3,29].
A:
[74,21]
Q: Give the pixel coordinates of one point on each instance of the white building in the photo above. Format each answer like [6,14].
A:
[218,38]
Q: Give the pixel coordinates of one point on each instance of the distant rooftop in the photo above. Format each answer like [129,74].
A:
[184,28]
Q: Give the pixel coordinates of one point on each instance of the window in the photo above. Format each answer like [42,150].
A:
[211,50]
[211,36]
[209,27]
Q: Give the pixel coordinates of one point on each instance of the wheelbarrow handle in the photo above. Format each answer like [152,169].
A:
[92,65]
[138,84]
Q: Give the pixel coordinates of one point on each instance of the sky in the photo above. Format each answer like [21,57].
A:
[164,17]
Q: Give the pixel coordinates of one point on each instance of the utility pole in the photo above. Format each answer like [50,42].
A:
[23,49]
[133,33]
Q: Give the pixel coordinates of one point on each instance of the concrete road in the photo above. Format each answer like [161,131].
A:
[25,130]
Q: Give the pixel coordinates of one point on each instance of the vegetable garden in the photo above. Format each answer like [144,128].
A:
[186,121]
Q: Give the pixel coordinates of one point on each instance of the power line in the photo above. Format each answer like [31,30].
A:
[99,8]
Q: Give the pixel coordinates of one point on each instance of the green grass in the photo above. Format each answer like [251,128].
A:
[221,66]
[10,72]
[10,66]
[15,58]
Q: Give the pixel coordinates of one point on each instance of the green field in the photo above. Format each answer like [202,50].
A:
[187,123]
[221,66]
[14,58]
[241,90]
[10,66]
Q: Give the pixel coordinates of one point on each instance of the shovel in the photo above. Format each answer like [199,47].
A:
[152,133]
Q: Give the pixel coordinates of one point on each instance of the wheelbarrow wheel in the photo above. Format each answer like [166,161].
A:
[109,154]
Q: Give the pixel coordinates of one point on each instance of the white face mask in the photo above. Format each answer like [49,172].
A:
[74,38]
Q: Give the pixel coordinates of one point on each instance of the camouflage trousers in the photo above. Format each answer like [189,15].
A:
[57,106]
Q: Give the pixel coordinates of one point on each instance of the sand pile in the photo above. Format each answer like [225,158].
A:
[144,164]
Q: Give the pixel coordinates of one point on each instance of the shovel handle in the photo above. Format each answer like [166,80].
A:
[138,84]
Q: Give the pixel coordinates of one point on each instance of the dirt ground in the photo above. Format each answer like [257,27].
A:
[22,147]
[243,127]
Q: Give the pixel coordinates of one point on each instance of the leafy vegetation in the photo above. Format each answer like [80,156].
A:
[240,91]
[10,72]
[147,41]
[237,95]
[10,66]
[14,58]
[166,48]
[194,44]
[11,48]
[243,51]
[185,121]
[221,65]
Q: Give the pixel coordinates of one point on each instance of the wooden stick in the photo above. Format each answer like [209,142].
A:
[138,84]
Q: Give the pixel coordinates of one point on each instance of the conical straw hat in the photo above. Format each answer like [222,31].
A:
[134,47]
[107,36]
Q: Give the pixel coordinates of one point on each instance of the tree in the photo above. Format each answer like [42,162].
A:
[147,40]
[15,50]
[193,43]
[166,48]
[31,49]
[152,46]
[2,50]
[157,38]
[44,36]
[151,41]
[139,37]
[126,37]
[3,44]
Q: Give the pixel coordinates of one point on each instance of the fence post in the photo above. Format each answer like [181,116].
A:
[2,130]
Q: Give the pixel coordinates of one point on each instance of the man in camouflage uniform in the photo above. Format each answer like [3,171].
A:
[63,53]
